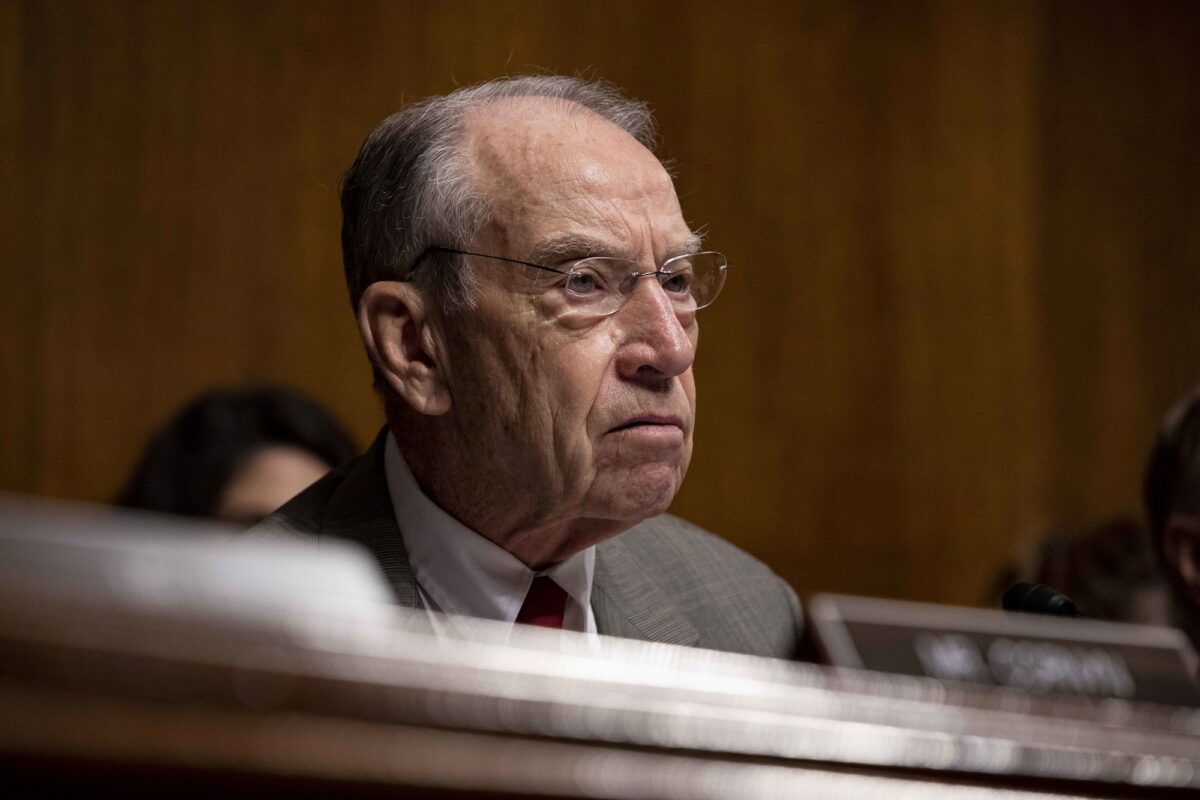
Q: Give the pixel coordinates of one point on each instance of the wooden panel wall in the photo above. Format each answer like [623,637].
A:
[966,239]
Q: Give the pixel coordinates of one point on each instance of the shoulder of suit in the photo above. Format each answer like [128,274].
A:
[666,535]
[735,600]
[301,517]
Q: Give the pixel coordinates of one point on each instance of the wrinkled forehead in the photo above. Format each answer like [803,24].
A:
[545,162]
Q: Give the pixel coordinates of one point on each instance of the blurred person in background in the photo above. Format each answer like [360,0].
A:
[237,455]
[1172,498]
[1109,569]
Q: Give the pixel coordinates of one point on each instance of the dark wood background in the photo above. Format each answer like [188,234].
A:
[966,239]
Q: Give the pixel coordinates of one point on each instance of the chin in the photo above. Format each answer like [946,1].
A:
[641,493]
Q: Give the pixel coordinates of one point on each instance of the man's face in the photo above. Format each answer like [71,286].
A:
[575,423]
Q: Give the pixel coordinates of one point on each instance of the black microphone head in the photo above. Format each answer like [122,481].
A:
[1038,598]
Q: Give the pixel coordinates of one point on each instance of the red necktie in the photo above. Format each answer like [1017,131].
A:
[544,605]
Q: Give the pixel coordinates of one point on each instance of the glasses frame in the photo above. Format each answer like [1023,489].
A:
[633,277]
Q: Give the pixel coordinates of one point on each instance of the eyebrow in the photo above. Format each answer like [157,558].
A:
[689,246]
[582,245]
[570,244]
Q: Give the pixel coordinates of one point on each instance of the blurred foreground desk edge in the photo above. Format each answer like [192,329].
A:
[147,661]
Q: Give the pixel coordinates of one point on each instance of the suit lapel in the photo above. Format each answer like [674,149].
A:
[628,603]
[360,510]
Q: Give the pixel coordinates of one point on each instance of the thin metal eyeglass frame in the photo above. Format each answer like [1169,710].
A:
[635,276]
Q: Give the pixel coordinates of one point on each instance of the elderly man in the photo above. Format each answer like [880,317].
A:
[527,291]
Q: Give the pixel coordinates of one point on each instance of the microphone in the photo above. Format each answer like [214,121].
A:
[1038,598]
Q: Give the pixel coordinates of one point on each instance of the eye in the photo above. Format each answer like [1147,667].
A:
[677,282]
[591,278]
[582,282]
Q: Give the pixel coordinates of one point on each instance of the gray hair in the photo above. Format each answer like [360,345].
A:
[409,189]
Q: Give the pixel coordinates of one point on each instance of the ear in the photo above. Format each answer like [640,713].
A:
[404,344]
[1181,545]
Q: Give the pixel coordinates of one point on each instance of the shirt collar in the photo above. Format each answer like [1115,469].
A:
[461,572]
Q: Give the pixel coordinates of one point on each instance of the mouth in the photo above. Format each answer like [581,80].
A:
[648,421]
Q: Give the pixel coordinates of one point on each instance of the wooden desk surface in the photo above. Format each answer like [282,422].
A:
[154,670]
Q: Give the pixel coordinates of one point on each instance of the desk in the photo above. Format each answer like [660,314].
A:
[146,703]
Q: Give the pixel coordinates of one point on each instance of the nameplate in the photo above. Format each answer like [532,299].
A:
[1034,653]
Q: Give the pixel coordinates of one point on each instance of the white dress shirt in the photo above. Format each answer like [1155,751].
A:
[458,571]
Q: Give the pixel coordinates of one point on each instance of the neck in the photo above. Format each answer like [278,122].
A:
[499,510]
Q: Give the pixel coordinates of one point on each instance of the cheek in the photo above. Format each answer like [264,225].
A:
[494,367]
[688,381]
[595,391]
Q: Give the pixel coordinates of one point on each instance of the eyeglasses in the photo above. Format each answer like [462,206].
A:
[598,286]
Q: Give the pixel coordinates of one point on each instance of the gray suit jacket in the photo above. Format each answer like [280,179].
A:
[664,580]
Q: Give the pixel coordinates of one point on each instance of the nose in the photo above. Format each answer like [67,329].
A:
[656,344]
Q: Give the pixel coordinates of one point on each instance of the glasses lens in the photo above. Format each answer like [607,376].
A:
[694,281]
[594,285]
